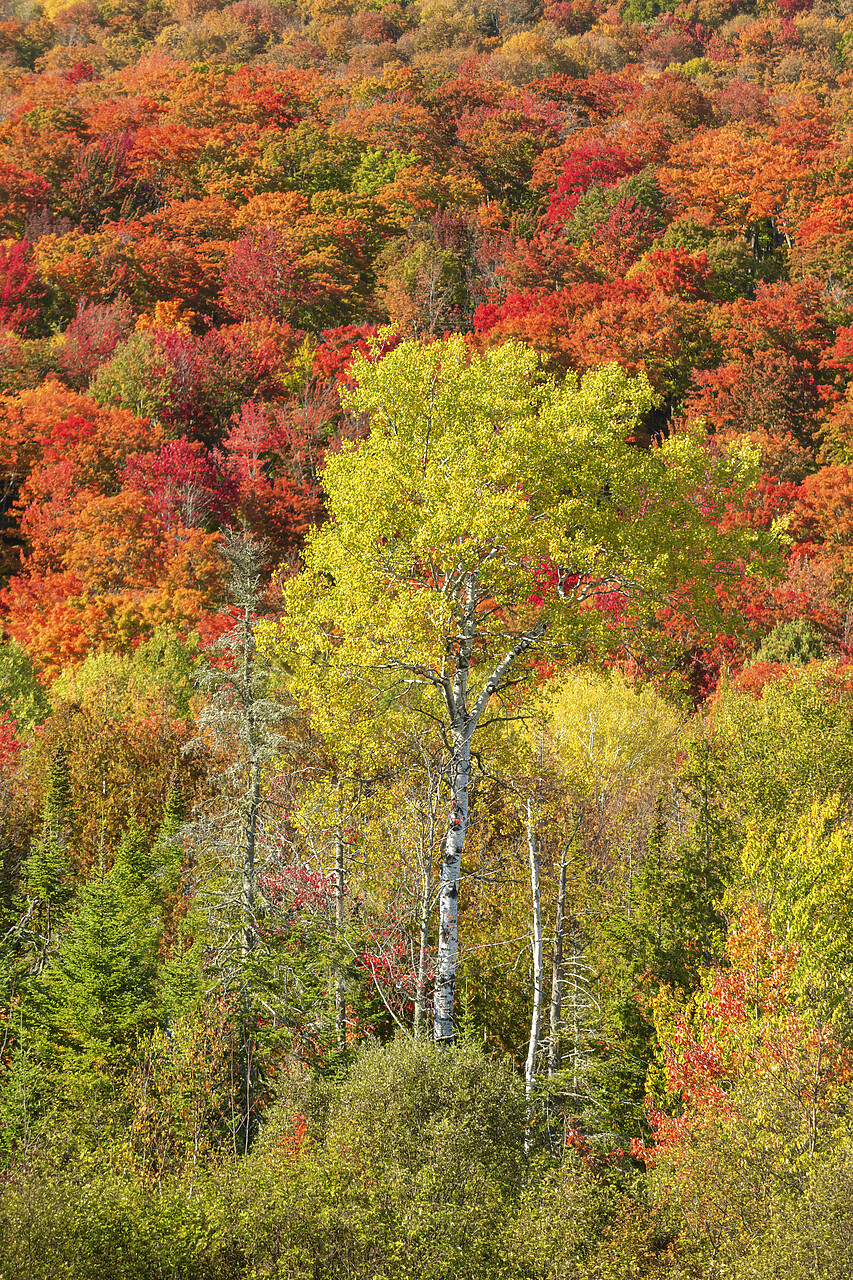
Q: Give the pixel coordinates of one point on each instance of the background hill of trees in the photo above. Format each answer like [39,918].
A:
[336,338]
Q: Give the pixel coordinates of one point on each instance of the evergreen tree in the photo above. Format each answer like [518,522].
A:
[181,975]
[794,643]
[48,882]
[100,993]
[238,727]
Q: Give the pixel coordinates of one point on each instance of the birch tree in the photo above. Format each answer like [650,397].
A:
[538,971]
[481,519]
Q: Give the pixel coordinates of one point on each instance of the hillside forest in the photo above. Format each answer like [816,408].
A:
[426,676]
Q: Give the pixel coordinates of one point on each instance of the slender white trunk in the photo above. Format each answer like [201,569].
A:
[536,1017]
[448,893]
[423,944]
[338,974]
[462,724]
[554,1046]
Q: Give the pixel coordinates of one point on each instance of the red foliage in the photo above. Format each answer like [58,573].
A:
[823,512]
[601,94]
[749,1032]
[20,288]
[745,101]
[265,278]
[591,163]
[628,321]
[182,484]
[10,746]
[333,356]
[574,16]
[92,337]
[212,375]
[271,458]
[102,183]
[755,678]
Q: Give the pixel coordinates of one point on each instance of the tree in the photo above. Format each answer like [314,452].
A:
[20,291]
[785,751]
[47,869]
[761,1084]
[488,512]
[100,992]
[238,725]
[614,748]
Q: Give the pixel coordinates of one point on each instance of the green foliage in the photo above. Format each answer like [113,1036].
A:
[159,676]
[134,378]
[672,926]
[595,204]
[99,993]
[309,158]
[778,754]
[795,643]
[180,1094]
[47,871]
[585,1220]
[416,1173]
[410,1105]
[807,1237]
[182,978]
[411,1167]
[728,255]
[376,169]
[646,10]
[21,693]
[91,1223]
[804,877]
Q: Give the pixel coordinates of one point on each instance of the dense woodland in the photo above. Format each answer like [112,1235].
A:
[426,684]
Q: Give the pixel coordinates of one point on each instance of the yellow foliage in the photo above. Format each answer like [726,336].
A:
[606,734]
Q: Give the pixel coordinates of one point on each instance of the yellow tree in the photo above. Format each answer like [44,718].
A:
[484,515]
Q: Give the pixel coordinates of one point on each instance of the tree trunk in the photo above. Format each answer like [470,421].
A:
[248,885]
[247,895]
[338,974]
[253,795]
[579,1015]
[423,944]
[462,725]
[448,894]
[536,1018]
[556,1019]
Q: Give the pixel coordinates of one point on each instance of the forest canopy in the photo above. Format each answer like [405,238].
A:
[426,710]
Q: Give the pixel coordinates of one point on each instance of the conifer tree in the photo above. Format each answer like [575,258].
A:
[238,726]
[100,993]
[181,975]
[47,870]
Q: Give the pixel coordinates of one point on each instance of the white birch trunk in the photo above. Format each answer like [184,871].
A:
[557,972]
[338,975]
[462,724]
[536,1017]
[448,893]
[423,944]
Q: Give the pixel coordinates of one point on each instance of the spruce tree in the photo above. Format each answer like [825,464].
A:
[238,726]
[100,993]
[48,878]
[181,976]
